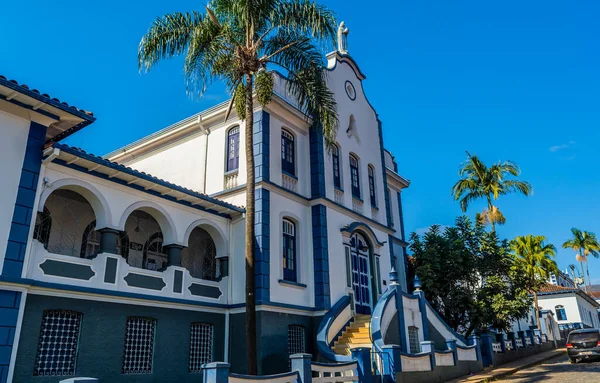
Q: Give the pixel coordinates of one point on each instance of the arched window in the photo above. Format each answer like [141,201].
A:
[289,251]
[354,176]
[335,159]
[372,186]
[561,314]
[233,149]
[155,258]
[288,161]
[144,239]
[200,257]
[90,243]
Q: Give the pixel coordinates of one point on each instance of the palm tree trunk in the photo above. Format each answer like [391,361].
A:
[583,276]
[537,310]
[251,360]
[587,270]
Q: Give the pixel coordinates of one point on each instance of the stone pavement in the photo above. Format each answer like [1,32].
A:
[510,368]
[557,370]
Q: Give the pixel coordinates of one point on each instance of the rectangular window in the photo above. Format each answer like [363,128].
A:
[201,346]
[413,340]
[335,157]
[354,176]
[289,251]
[287,153]
[233,149]
[372,186]
[138,352]
[57,345]
[348,267]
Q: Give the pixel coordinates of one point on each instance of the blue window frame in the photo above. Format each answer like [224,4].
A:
[335,159]
[288,159]
[289,251]
[561,314]
[354,176]
[372,186]
[233,148]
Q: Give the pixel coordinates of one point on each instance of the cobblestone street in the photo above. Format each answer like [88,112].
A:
[558,370]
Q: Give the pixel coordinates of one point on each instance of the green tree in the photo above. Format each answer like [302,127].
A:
[238,42]
[585,244]
[480,182]
[533,258]
[467,277]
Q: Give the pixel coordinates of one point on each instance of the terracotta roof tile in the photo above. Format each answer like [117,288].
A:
[549,288]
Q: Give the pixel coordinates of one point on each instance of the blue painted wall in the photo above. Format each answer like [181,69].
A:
[9,310]
[23,213]
[320,257]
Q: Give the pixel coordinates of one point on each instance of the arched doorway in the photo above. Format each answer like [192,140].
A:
[360,255]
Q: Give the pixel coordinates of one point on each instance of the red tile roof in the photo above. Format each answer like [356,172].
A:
[549,288]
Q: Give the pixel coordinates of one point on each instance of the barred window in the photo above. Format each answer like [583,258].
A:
[296,342]
[413,340]
[201,346]
[57,345]
[138,351]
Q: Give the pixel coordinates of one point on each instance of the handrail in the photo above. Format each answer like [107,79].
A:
[323,334]
[454,333]
[378,312]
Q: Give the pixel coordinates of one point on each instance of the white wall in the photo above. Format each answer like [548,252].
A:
[574,305]
[14,132]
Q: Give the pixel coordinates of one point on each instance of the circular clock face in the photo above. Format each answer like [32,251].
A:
[350,91]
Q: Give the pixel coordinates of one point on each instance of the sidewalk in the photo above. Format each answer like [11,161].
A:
[510,368]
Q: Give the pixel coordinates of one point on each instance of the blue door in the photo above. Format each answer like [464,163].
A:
[361,276]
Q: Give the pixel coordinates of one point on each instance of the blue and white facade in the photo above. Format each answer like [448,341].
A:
[137,258]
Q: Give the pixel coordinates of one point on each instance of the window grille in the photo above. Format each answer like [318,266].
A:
[372,186]
[57,345]
[200,257]
[289,251]
[413,340]
[287,153]
[138,352]
[144,241]
[296,344]
[233,149]
[201,346]
[354,176]
[90,243]
[335,157]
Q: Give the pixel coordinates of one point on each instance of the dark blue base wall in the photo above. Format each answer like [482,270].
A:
[102,337]
[9,311]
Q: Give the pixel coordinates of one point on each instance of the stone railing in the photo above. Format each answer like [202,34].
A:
[357,205]
[230,180]
[338,196]
[289,182]
[519,342]
[497,347]
[374,213]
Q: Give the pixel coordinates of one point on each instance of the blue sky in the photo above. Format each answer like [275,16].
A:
[512,80]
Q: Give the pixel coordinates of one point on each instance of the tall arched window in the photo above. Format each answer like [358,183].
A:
[288,161]
[233,149]
[372,186]
[354,176]
[200,257]
[155,257]
[289,251]
[143,238]
[335,159]
[561,314]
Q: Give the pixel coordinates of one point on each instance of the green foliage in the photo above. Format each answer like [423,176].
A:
[583,242]
[533,258]
[264,87]
[239,99]
[468,278]
[478,181]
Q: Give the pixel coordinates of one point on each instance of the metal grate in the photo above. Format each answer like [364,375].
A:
[57,346]
[413,340]
[296,343]
[138,351]
[201,346]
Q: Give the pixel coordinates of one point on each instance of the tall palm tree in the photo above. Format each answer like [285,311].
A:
[533,257]
[478,181]
[239,42]
[585,244]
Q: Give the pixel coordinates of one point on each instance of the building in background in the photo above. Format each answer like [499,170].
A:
[572,307]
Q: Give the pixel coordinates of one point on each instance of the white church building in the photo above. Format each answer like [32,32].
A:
[130,266]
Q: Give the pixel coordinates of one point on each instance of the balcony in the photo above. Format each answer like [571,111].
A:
[374,214]
[230,180]
[357,205]
[289,182]
[338,196]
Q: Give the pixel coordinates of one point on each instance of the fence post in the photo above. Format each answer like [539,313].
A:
[487,353]
[216,372]
[427,346]
[474,340]
[511,337]
[391,361]
[500,339]
[530,336]
[301,363]
[451,345]
[362,355]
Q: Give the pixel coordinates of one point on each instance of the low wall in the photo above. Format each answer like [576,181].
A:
[440,373]
[501,358]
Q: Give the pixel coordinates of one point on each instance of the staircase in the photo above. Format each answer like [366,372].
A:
[356,334]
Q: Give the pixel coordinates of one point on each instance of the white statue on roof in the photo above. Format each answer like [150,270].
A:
[342,37]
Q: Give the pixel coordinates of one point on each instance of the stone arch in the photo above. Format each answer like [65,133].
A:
[217,235]
[86,190]
[159,213]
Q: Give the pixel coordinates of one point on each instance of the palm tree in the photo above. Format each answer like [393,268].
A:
[584,243]
[238,42]
[534,259]
[478,181]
